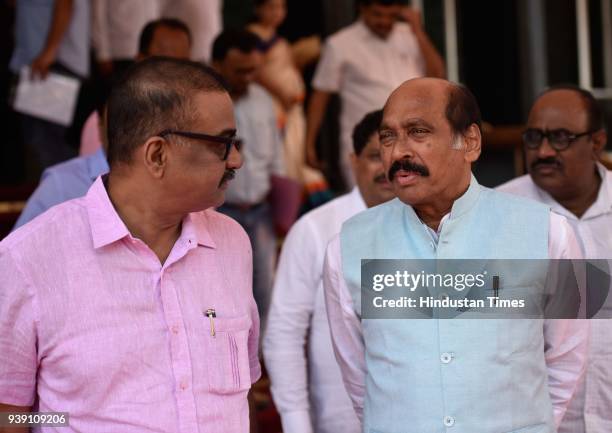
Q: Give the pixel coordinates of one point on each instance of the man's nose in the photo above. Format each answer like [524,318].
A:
[546,150]
[234,159]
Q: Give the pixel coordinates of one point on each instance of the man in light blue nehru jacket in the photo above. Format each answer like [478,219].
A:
[435,376]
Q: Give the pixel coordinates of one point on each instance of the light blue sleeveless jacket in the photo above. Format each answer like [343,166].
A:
[454,375]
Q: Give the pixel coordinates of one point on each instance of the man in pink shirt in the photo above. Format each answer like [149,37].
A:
[131,308]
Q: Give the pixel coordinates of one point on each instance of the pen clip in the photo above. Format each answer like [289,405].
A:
[211,314]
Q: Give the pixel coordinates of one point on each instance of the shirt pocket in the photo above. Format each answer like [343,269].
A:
[227,343]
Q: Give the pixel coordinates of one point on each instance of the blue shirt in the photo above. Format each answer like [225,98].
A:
[63,182]
[32,23]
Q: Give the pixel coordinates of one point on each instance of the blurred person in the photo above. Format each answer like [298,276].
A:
[131,308]
[564,139]
[67,180]
[167,37]
[116,26]
[203,17]
[364,62]
[236,58]
[50,35]
[72,178]
[281,77]
[305,379]
[438,375]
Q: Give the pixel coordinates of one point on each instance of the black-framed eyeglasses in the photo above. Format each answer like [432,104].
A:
[228,141]
[559,139]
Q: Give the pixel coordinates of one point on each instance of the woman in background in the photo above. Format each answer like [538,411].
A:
[281,76]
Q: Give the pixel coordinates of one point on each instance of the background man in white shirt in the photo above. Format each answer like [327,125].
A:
[204,19]
[116,26]
[236,58]
[364,62]
[309,394]
[564,138]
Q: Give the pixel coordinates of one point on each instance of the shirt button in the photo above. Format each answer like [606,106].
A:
[175,329]
[184,385]
[449,421]
[446,357]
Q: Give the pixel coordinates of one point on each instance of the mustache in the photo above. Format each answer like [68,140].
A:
[551,161]
[406,165]
[227,176]
[381,178]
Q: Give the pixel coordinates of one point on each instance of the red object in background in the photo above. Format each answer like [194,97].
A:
[285,199]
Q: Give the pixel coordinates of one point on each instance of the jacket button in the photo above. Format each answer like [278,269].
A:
[446,357]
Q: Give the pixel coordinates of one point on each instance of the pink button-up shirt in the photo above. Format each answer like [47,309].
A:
[92,324]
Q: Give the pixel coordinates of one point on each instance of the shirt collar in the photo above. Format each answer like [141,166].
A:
[602,204]
[196,228]
[358,200]
[97,164]
[467,201]
[460,207]
[107,227]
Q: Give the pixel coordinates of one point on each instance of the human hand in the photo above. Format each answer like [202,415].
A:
[40,66]
[413,17]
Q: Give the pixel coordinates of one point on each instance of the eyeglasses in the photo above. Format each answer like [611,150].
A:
[559,139]
[228,141]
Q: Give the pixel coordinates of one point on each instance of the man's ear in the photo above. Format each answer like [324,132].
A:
[155,156]
[472,140]
[600,138]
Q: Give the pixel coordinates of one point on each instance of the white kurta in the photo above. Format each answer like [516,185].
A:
[364,69]
[204,19]
[117,25]
[307,388]
[591,409]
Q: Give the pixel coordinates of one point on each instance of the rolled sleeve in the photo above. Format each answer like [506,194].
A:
[18,355]
[328,76]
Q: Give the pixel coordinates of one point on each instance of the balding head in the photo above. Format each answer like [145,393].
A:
[429,137]
[461,107]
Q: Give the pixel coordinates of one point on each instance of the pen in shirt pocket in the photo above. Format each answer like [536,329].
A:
[211,314]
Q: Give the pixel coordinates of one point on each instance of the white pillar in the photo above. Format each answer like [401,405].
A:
[606,25]
[450,37]
[584,46]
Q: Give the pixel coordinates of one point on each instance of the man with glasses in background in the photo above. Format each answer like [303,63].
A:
[564,139]
[236,58]
[131,308]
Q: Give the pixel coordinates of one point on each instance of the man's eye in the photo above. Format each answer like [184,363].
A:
[385,137]
[418,131]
